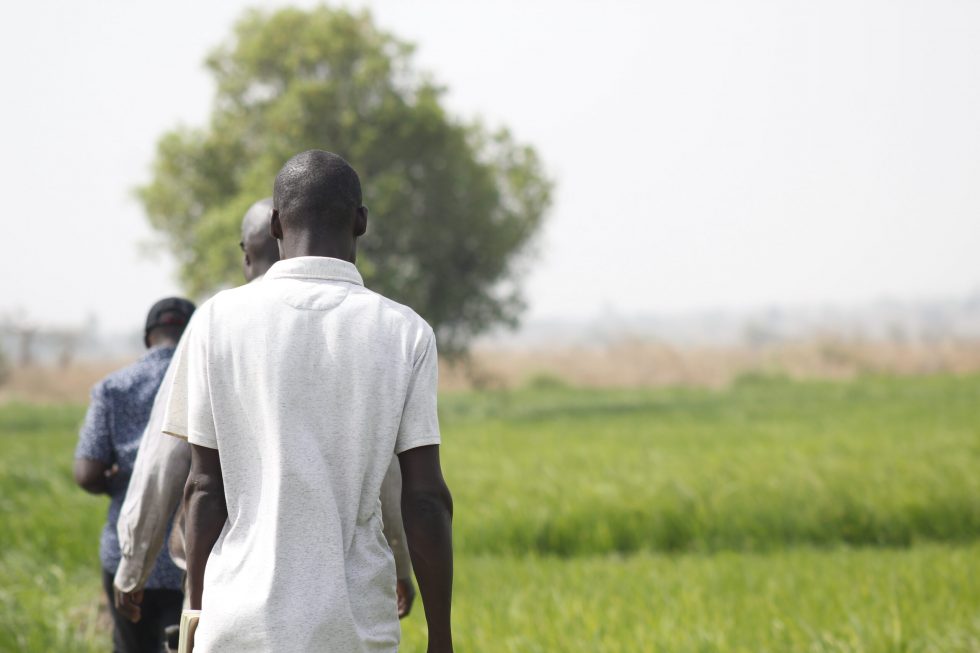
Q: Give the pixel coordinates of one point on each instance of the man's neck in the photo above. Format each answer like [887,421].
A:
[260,267]
[332,246]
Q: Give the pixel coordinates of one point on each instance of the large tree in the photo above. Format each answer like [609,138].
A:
[453,206]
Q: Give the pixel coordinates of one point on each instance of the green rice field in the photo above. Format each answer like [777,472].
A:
[771,516]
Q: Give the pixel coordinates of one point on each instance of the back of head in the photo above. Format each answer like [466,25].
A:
[317,191]
[166,321]
[258,246]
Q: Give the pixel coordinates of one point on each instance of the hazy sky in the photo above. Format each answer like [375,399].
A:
[707,154]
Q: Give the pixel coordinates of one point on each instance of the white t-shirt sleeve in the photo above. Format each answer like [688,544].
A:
[188,414]
[420,419]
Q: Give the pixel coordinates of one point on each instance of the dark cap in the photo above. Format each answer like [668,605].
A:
[172,311]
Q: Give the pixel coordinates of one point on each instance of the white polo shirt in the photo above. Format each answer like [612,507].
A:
[305,383]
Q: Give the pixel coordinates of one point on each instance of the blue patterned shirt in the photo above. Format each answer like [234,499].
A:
[114,424]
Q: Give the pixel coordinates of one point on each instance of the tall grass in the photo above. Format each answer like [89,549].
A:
[772,516]
[767,464]
[845,600]
[49,568]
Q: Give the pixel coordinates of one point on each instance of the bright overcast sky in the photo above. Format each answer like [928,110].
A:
[707,154]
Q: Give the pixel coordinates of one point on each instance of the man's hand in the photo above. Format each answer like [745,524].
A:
[405,589]
[128,603]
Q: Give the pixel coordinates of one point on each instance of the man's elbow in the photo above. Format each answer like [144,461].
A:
[428,504]
[90,476]
[203,490]
[90,485]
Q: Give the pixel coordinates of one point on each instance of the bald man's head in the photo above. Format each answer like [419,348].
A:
[317,206]
[259,247]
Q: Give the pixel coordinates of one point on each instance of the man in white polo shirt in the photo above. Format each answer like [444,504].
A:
[294,393]
[163,462]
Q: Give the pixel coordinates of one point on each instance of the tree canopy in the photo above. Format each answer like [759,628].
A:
[453,205]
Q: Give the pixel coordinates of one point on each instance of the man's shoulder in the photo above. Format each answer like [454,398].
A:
[231,300]
[122,380]
[229,296]
[224,301]
[398,314]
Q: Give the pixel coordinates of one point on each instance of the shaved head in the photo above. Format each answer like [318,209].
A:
[257,217]
[317,208]
[317,189]
[259,247]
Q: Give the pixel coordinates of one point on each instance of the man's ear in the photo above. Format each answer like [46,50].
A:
[275,227]
[360,221]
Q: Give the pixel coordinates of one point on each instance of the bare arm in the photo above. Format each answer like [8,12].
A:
[93,475]
[427,510]
[207,512]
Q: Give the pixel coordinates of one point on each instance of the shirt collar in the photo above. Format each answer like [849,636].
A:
[315,267]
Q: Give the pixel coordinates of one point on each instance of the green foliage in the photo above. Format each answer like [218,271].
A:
[761,466]
[545,381]
[774,516]
[453,206]
[801,600]
[49,564]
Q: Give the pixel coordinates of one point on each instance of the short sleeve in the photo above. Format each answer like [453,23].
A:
[95,438]
[188,414]
[420,419]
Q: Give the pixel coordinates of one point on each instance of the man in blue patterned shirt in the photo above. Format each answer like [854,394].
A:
[104,458]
